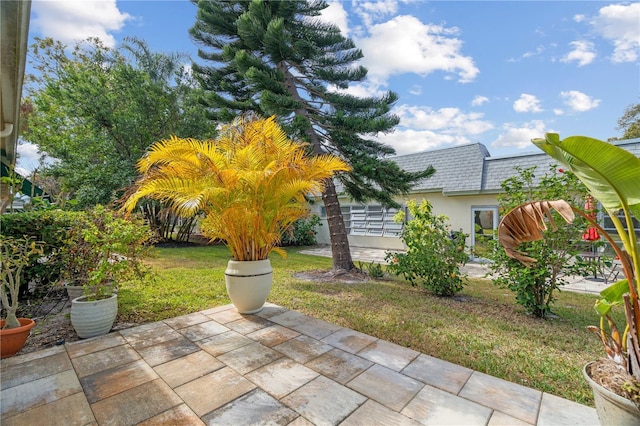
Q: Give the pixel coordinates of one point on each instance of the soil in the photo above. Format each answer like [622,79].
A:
[343,276]
[613,377]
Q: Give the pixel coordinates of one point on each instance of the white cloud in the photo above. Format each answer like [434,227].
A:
[416,90]
[447,120]
[578,101]
[71,21]
[370,11]
[558,111]
[409,141]
[479,100]
[406,45]
[583,52]
[28,157]
[520,137]
[619,23]
[336,14]
[579,18]
[527,103]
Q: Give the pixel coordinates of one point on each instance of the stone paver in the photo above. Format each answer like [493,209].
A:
[214,390]
[278,367]
[282,377]
[388,354]
[249,357]
[136,405]
[188,368]
[388,387]
[274,335]
[372,413]
[324,402]
[509,398]
[436,372]
[339,365]
[303,348]
[349,340]
[433,406]
[254,408]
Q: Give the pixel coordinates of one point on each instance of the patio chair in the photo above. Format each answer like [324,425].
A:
[614,271]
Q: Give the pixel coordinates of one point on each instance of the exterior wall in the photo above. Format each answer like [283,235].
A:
[457,208]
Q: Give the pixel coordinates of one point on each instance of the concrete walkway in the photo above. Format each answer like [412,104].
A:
[218,367]
[472,269]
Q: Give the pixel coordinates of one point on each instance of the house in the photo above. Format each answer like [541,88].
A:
[464,187]
[14,30]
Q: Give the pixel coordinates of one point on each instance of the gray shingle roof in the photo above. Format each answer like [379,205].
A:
[458,169]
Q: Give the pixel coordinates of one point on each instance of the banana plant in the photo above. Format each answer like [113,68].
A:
[612,176]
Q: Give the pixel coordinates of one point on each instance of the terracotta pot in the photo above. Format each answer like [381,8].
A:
[248,284]
[612,409]
[12,340]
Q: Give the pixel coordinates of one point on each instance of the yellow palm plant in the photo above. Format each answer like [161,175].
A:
[250,183]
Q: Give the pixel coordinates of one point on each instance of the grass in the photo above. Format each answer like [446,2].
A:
[482,328]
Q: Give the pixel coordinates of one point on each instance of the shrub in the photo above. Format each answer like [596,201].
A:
[434,254]
[534,286]
[302,233]
[50,227]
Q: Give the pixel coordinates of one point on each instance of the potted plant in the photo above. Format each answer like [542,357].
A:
[612,176]
[15,254]
[112,249]
[250,183]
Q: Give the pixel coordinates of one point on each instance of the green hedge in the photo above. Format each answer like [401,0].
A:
[48,226]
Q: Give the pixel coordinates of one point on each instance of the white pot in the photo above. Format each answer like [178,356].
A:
[93,318]
[248,284]
[612,409]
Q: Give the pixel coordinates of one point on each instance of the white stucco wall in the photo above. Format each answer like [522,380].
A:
[458,208]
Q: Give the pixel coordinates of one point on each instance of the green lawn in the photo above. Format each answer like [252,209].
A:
[482,329]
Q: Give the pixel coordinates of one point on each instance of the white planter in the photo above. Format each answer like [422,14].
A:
[74,291]
[612,409]
[248,284]
[93,318]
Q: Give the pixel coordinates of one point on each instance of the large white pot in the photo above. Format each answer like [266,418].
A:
[612,409]
[93,318]
[248,284]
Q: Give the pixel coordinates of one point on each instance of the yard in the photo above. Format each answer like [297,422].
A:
[482,328]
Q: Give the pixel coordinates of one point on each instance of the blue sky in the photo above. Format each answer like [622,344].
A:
[499,73]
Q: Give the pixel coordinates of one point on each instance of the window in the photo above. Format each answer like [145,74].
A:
[608,225]
[373,221]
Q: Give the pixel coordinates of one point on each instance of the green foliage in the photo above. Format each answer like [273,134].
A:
[373,269]
[302,232]
[629,123]
[49,226]
[15,255]
[535,286]
[434,254]
[96,110]
[105,249]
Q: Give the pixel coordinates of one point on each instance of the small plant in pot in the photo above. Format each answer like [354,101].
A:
[612,176]
[113,250]
[250,183]
[15,255]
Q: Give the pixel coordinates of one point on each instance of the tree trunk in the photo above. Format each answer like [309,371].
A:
[337,232]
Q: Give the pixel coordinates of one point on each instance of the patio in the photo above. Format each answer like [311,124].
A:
[218,367]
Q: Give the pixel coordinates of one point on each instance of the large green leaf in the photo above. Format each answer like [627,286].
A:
[611,173]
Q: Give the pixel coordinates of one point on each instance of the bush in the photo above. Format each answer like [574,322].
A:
[50,227]
[535,286]
[302,233]
[434,254]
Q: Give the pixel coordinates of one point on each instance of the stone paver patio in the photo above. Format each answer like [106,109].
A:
[218,367]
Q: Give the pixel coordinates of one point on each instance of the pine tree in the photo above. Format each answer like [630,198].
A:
[278,57]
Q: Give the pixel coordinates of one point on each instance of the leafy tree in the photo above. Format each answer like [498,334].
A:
[630,122]
[434,254]
[277,58]
[96,110]
[535,286]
